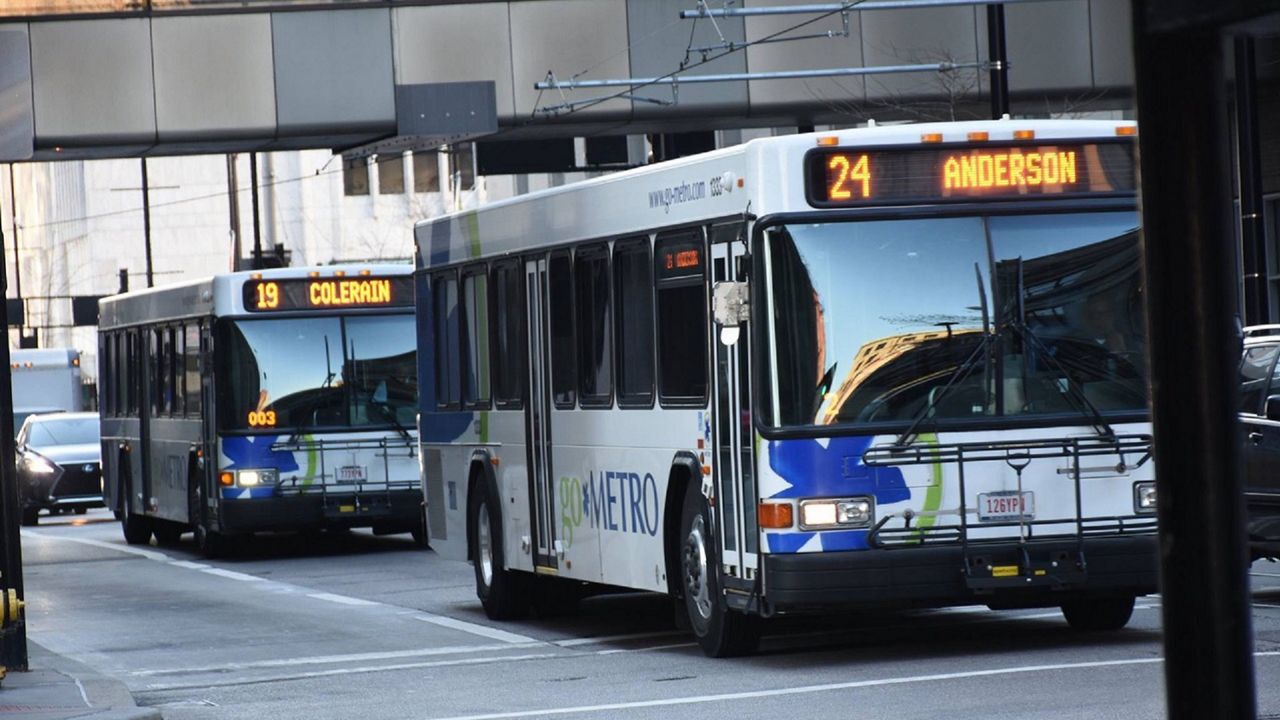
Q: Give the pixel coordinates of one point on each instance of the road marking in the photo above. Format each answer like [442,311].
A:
[328,659]
[347,671]
[809,689]
[277,586]
[575,642]
[342,599]
[475,629]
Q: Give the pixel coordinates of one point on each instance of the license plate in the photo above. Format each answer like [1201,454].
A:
[351,473]
[1006,506]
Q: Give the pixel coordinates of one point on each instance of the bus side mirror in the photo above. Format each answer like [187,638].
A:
[1272,409]
[731,308]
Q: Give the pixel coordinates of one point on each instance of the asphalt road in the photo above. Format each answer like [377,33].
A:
[364,627]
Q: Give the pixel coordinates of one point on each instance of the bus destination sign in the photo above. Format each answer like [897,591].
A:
[849,177]
[328,293]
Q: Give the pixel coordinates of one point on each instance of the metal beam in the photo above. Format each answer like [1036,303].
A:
[13,641]
[674,79]
[829,8]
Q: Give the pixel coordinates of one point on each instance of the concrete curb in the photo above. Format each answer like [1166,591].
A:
[108,698]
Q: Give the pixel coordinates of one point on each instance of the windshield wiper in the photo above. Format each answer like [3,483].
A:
[961,372]
[391,415]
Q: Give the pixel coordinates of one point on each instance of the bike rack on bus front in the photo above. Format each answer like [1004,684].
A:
[1035,559]
[366,497]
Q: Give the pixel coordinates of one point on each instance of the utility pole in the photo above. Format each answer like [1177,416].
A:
[999,59]
[17,259]
[1248,158]
[13,641]
[146,223]
[233,205]
[257,231]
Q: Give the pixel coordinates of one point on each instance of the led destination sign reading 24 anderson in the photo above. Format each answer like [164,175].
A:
[327,293]
[841,177]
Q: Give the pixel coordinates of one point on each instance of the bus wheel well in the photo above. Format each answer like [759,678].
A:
[677,483]
[475,476]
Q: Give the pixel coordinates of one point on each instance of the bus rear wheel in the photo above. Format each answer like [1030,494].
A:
[503,593]
[137,528]
[720,631]
[1098,614]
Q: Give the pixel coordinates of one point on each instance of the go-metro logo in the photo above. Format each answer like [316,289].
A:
[624,502]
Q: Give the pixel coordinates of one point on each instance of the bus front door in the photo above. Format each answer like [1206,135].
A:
[734,463]
[537,414]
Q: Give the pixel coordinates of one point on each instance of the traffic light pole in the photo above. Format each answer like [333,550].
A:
[13,640]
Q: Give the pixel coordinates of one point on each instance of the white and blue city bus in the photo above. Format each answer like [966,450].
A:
[258,401]
[890,366]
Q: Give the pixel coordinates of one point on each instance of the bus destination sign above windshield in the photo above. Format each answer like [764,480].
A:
[850,177]
[330,293]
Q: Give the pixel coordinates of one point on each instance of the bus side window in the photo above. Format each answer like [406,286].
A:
[633,281]
[679,264]
[447,340]
[595,332]
[564,372]
[177,379]
[191,368]
[475,297]
[509,338]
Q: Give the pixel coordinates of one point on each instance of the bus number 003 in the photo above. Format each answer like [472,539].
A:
[846,174]
[262,418]
[268,297]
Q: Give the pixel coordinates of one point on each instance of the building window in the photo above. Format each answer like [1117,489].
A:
[355,177]
[463,168]
[426,171]
[390,174]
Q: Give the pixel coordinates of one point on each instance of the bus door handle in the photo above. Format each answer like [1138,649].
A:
[1255,438]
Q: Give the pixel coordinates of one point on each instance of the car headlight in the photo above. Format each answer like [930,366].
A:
[39,465]
[257,478]
[1144,498]
[836,513]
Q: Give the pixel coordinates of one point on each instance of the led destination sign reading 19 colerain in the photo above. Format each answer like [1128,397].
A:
[330,293]
[845,177]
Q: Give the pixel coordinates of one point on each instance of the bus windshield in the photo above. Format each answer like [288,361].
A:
[317,373]
[954,318]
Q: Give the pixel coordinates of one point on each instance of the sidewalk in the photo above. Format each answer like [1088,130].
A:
[57,688]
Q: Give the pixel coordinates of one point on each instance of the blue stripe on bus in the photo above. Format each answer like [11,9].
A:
[834,471]
[254,451]
[247,493]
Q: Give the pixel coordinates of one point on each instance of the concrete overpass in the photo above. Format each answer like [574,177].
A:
[170,78]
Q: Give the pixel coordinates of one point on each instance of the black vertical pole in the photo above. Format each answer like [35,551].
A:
[13,642]
[1253,239]
[146,223]
[999,59]
[1194,353]
[257,232]
[17,260]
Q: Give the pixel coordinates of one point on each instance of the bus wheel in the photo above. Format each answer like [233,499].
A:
[137,528]
[720,631]
[1098,613]
[419,532]
[167,533]
[503,593]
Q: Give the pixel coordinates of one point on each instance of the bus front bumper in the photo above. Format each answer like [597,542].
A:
[955,575]
[385,512]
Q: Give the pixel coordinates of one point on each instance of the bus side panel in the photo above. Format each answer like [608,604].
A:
[171,443]
[506,432]
[611,491]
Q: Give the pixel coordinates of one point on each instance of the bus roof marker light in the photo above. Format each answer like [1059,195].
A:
[313,274]
[366,272]
[931,138]
[256,276]
[979,136]
[828,140]
[339,273]
[1126,130]
[1024,134]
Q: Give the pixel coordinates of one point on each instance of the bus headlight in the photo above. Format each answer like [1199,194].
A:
[1144,498]
[257,478]
[831,514]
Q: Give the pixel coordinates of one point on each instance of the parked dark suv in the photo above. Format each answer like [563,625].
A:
[1260,425]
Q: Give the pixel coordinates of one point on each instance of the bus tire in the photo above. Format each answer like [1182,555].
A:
[136,528]
[167,533]
[720,631]
[503,593]
[419,532]
[30,516]
[208,543]
[1098,614]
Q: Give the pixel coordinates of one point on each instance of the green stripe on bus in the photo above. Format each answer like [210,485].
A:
[933,495]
